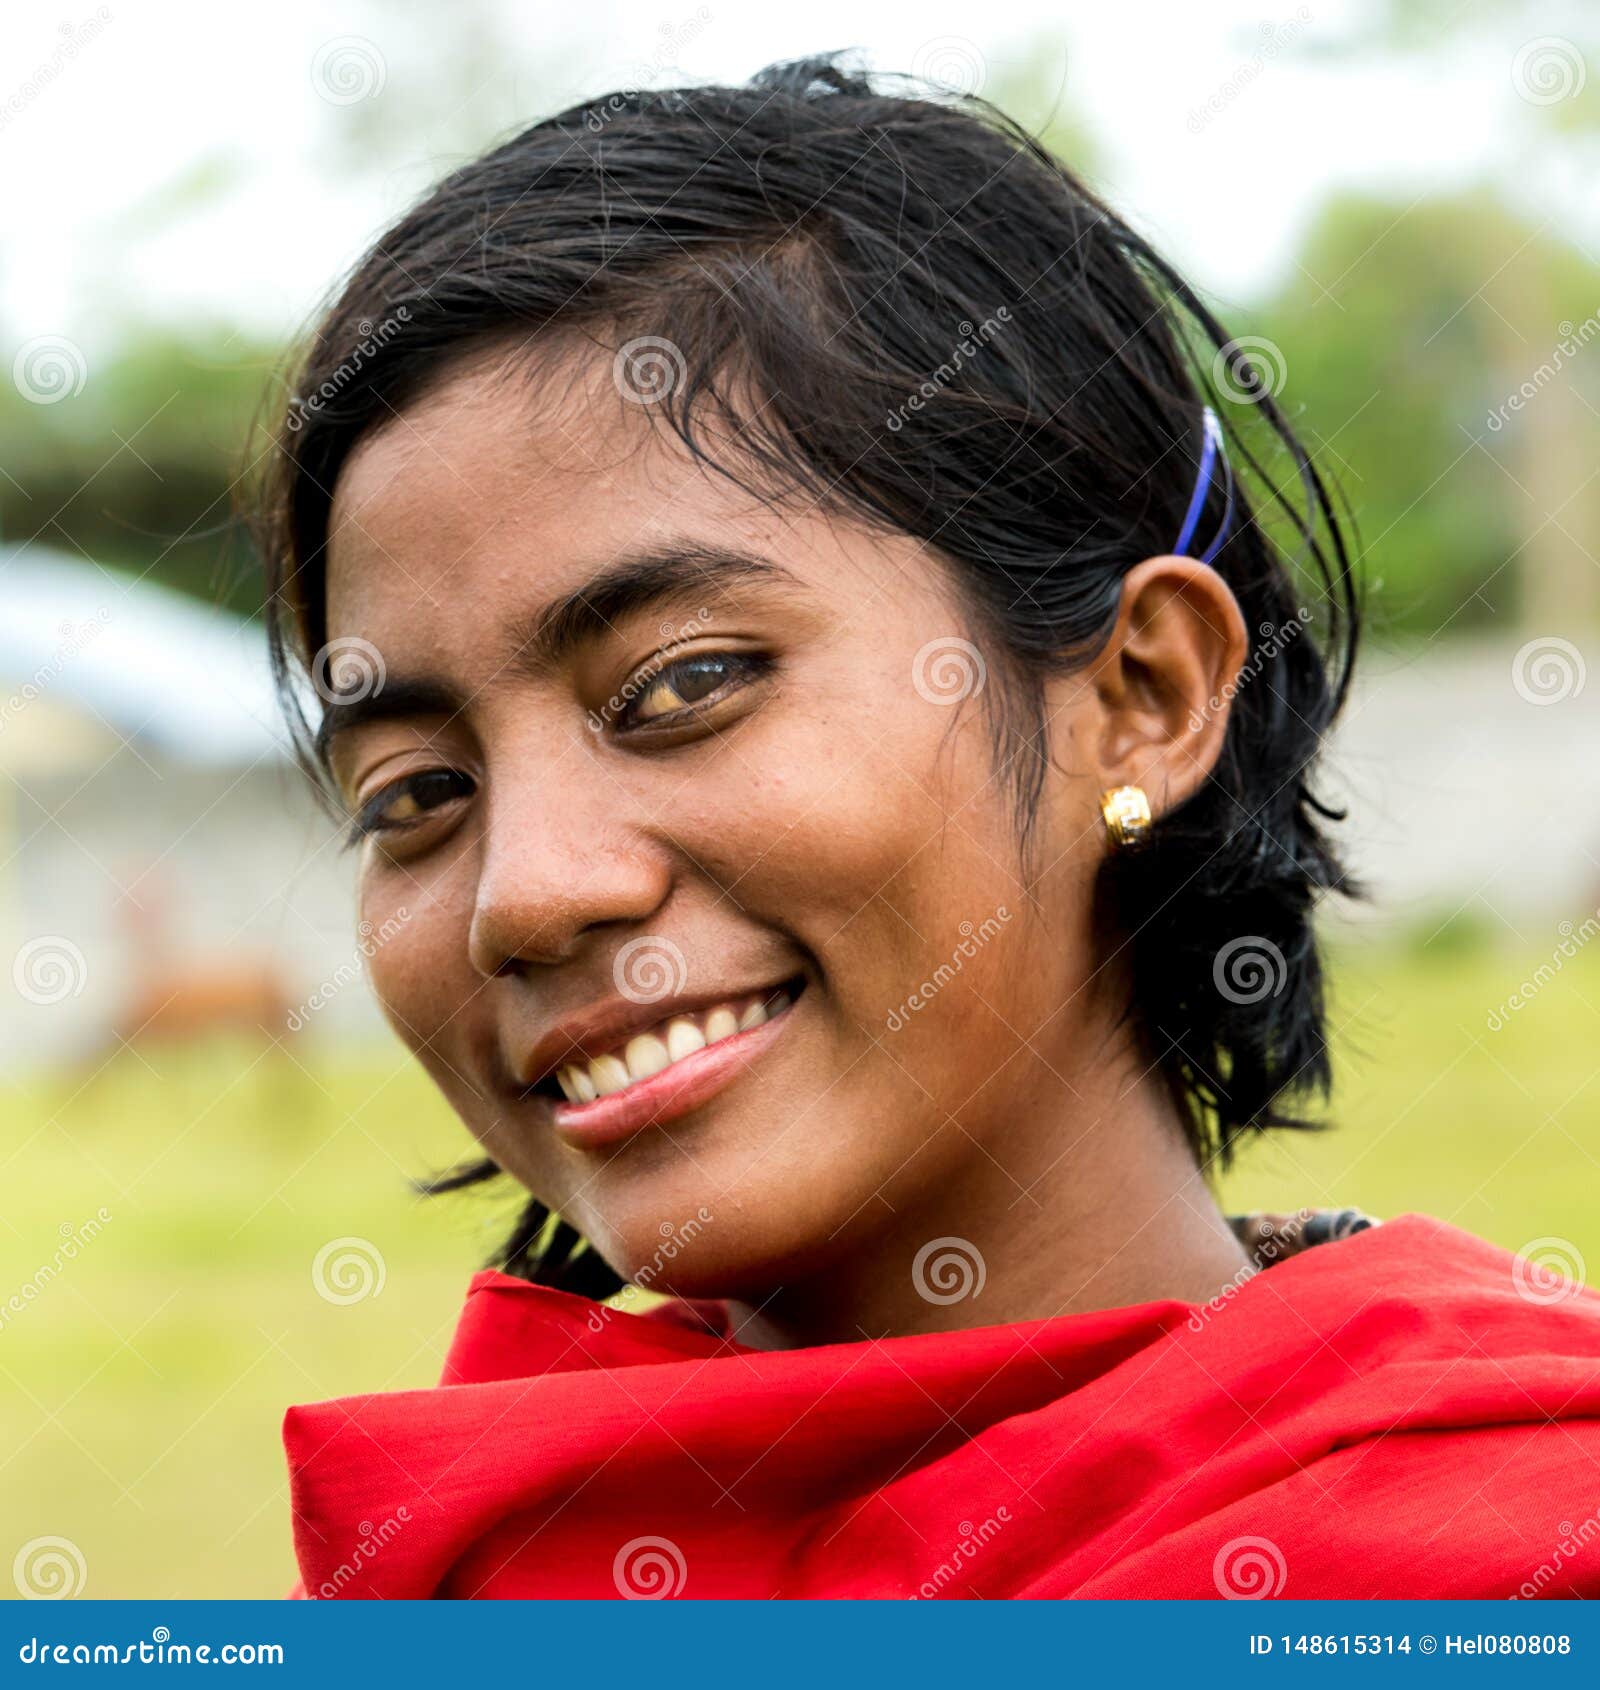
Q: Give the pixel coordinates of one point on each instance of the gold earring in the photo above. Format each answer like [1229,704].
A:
[1127,814]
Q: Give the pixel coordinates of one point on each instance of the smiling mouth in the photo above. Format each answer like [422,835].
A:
[665,1046]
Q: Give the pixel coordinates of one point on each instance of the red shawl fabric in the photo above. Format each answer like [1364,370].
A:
[1407,1412]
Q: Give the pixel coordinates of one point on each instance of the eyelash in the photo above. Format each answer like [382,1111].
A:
[744,667]
[367,820]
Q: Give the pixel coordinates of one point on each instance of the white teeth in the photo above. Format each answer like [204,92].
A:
[649,1053]
[645,1055]
[609,1074]
[683,1039]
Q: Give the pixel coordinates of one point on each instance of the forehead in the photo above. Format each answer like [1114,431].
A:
[498,474]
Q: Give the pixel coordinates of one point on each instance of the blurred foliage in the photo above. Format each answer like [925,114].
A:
[139,469]
[1401,325]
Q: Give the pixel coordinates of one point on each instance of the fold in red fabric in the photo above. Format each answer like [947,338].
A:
[1407,1412]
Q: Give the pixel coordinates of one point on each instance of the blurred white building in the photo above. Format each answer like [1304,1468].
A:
[148,805]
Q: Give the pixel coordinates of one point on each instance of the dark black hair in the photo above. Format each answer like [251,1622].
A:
[905,307]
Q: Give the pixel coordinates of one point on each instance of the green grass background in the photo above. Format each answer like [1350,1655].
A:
[141,1393]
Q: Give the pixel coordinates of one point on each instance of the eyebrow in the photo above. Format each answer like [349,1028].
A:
[540,640]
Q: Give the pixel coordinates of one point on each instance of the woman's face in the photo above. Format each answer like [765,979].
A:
[651,761]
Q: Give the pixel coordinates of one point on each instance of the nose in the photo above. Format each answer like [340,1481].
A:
[553,873]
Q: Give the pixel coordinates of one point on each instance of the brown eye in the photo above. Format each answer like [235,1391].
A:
[410,799]
[689,682]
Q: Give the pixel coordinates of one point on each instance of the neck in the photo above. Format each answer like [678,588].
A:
[1122,1217]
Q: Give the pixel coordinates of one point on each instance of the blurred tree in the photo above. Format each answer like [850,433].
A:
[1405,333]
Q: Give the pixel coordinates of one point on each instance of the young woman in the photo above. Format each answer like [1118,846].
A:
[827,718]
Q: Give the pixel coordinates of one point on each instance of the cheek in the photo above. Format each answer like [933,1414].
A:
[415,949]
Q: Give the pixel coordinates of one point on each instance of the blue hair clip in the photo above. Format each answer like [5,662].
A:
[1212,450]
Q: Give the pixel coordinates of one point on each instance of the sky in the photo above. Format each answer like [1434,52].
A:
[178,159]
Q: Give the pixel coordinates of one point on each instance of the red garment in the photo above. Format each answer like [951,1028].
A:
[1402,1413]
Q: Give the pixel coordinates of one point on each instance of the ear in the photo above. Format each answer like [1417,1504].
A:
[1163,682]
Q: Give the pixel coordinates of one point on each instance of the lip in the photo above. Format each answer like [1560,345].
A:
[673,1092]
[609,1025]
